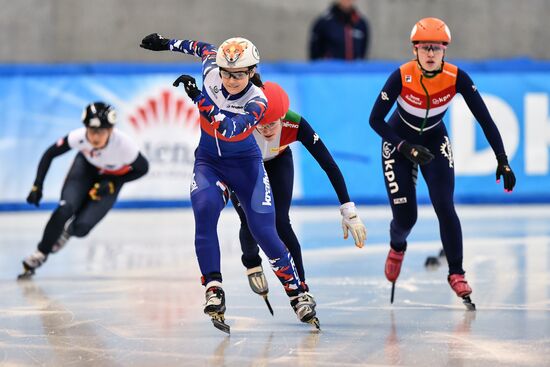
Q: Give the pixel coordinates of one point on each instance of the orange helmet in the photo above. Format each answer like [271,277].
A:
[431,29]
[277,102]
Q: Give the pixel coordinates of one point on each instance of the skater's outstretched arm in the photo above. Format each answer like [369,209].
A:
[57,149]
[313,143]
[228,126]
[469,91]
[206,51]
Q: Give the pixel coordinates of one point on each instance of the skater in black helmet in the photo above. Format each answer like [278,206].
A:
[106,160]
[415,138]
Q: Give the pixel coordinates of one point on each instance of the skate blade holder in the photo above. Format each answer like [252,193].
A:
[315,322]
[219,323]
[26,274]
[467,301]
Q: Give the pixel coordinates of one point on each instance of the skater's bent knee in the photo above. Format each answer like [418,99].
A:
[81,229]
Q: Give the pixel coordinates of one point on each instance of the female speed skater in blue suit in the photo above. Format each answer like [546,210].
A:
[231,104]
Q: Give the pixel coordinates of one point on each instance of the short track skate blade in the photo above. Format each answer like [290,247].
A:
[470,306]
[392,292]
[221,325]
[315,322]
[268,305]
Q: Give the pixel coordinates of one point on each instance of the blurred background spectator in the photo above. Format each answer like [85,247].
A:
[75,31]
[340,33]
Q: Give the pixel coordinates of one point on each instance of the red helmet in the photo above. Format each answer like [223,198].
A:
[277,102]
[431,30]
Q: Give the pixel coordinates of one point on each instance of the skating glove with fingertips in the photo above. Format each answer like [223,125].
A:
[34,196]
[504,170]
[155,42]
[415,153]
[352,223]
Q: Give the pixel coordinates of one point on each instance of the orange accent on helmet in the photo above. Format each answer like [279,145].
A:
[277,102]
[431,29]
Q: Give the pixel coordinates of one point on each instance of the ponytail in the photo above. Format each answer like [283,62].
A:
[257,80]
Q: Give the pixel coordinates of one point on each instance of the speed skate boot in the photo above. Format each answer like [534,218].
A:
[258,284]
[393,268]
[257,280]
[393,264]
[460,286]
[31,263]
[215,305]
[304,307]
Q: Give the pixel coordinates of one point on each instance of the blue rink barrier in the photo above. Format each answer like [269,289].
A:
[41,103]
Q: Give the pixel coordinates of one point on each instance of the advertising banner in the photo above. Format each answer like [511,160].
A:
[36,109]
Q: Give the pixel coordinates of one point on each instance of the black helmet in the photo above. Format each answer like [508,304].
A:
[99,115]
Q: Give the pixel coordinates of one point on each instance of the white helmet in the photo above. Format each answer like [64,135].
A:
[237,52]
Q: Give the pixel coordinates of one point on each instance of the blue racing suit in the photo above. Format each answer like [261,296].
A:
[421,104]
[228,155]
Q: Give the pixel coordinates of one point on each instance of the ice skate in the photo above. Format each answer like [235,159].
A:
[434,262]
[393,268]
[215,307]
[258,284]
[304,307]
[31,263]
[460,286]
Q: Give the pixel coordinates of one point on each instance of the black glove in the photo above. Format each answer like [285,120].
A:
[189,84]
[503,169]
[35,195]
[155,42]
[415,153]
[102,188]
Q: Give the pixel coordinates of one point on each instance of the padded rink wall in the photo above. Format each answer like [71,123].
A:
[40,104]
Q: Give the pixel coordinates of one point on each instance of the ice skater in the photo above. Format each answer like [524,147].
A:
[231,103]
[416,136]
[107,159]
[276,131]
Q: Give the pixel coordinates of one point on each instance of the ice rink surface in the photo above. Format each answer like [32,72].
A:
[129,295]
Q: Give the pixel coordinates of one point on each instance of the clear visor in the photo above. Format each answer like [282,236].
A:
[427,47]
[239,75]
[269,126]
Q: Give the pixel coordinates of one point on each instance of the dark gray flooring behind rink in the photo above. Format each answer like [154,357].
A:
[129,294]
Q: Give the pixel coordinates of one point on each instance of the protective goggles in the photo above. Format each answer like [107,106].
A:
[238,75]
[269,126]
[427,47]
